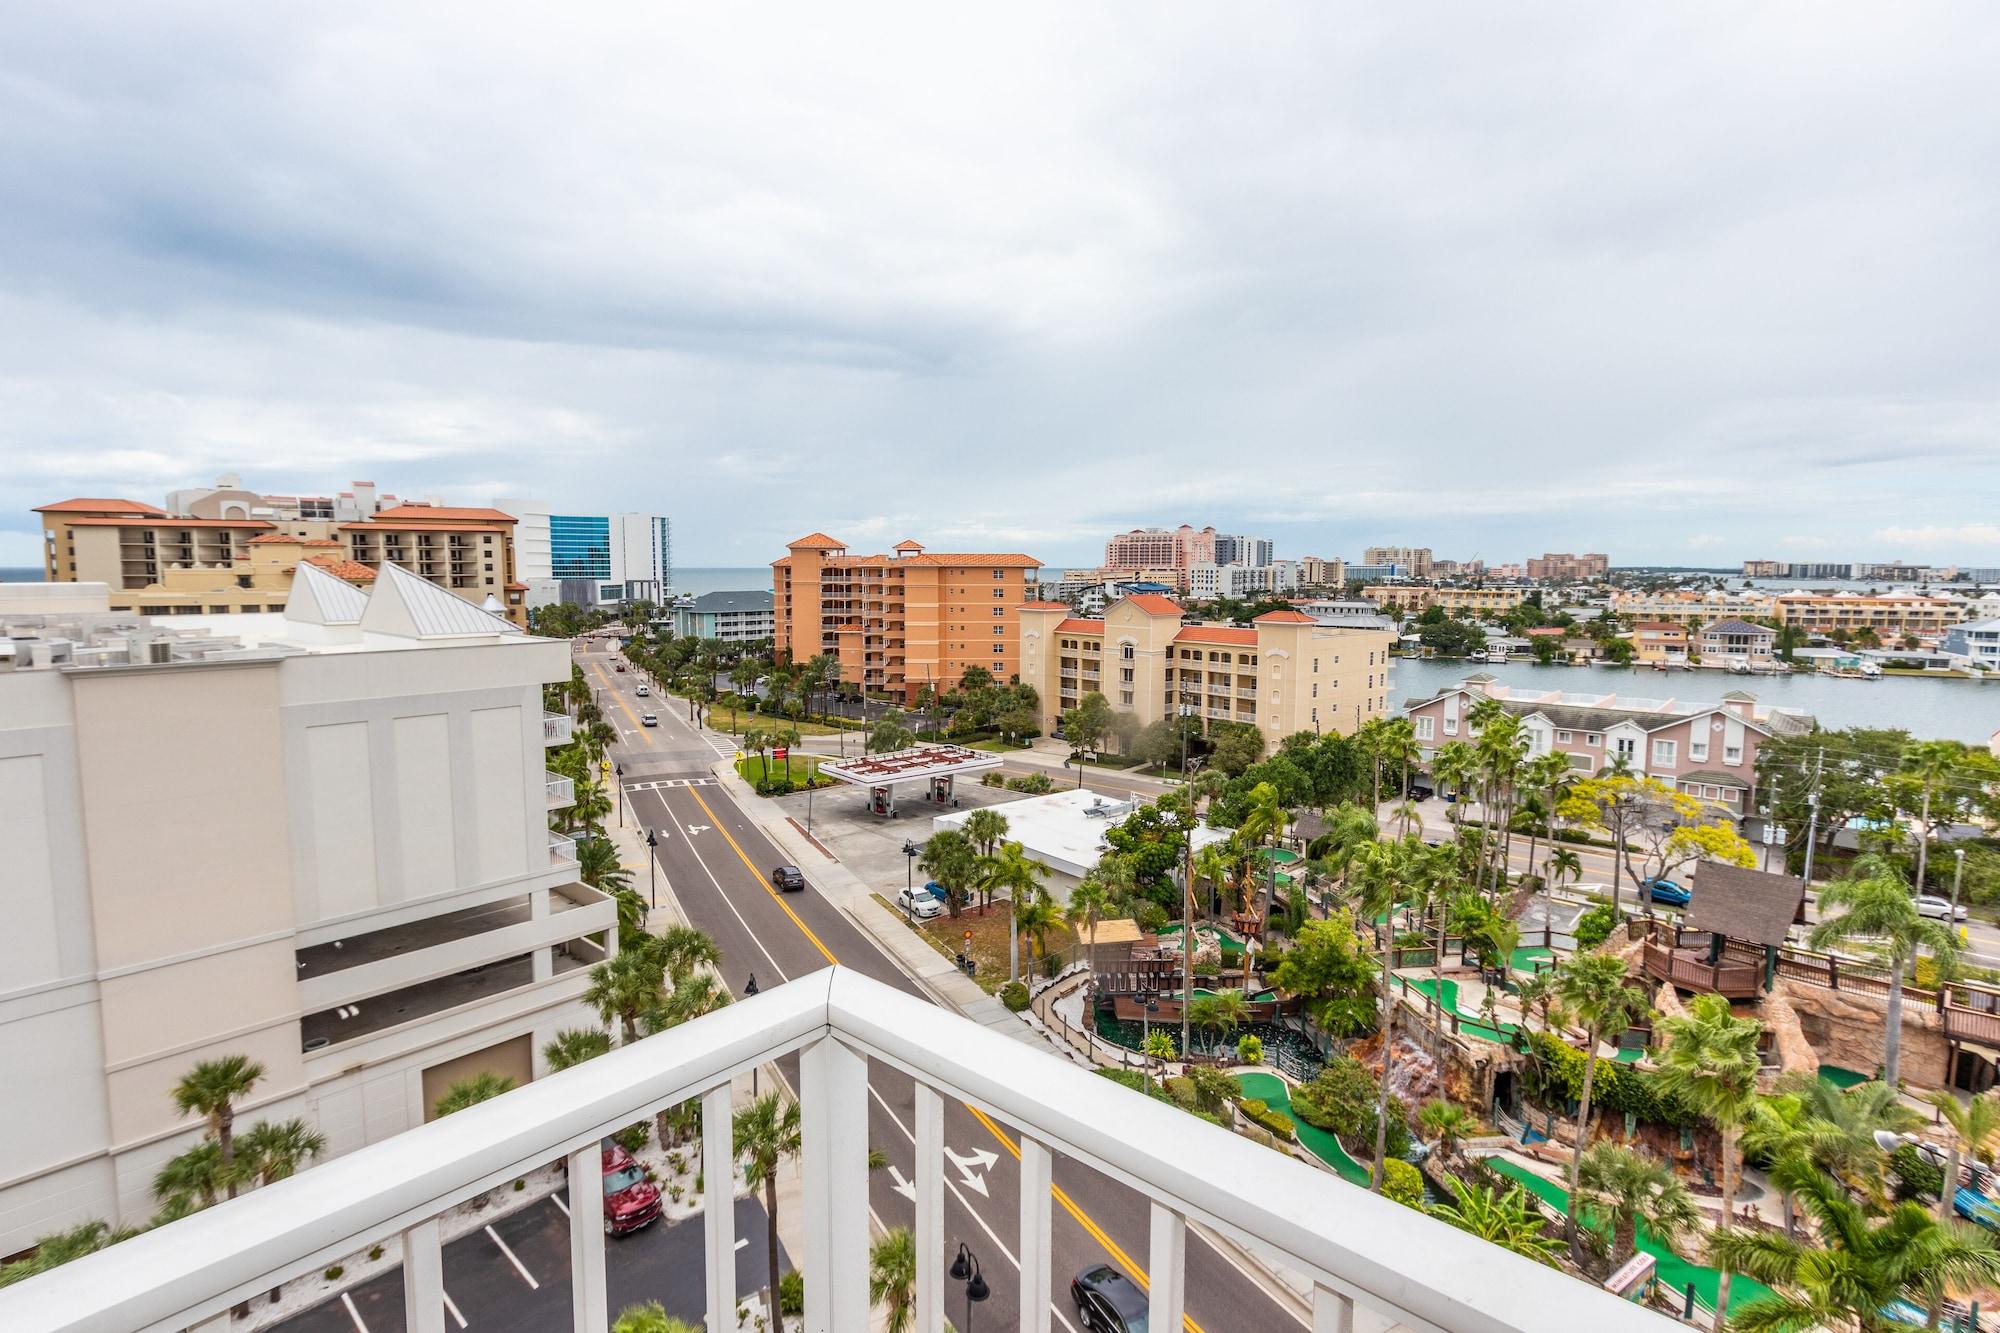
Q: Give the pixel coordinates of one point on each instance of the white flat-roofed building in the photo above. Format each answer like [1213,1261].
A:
[1065,831]
[316,838]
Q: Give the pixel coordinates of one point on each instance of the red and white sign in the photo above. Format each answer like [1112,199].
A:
[780,752]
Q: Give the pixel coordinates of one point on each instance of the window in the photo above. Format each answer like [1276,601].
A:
[1732,754]
[1450,725]
[1563,737]
[998,575]
[1729,795]
[999,593]
[1315,693]
[1125,674]
[1625,747]
[999,611]
[1593,739]
[1665,753]
[1425,728]
[1697,748]
[1126,652]
[1125,697]
[1315,666]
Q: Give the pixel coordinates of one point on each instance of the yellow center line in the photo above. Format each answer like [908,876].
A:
[1083,1219]
[637,730]
[734,846]
[1061,1196]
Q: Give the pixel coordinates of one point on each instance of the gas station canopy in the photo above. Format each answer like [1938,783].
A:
[916,764]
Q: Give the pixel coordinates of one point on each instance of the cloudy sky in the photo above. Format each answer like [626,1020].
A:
[1680,283]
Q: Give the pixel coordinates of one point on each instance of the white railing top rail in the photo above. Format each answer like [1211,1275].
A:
[1382,1254]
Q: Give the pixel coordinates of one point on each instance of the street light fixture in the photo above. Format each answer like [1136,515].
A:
[619,769]
[652,871]
[1957,878]
[750,989]
[909,878]
[965,1268]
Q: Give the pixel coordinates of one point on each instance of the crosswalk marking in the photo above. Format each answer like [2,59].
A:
[664,783]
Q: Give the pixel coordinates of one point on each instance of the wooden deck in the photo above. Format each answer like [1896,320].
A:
[1690,970]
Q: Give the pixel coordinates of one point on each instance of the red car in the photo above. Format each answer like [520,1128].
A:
[630,1200]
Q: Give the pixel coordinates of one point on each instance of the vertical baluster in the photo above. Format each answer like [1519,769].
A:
[833,1093]
[423,1279]
[928,1181]
[588,1309]
[1168,1260]
[1036,1168]
[718,1206]
[1332,1312]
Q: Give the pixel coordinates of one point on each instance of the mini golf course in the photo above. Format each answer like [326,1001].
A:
[1674,1272]
[1843,1078]
[1469,1023]
[1531,958]
[1231,946]
[1271,1090]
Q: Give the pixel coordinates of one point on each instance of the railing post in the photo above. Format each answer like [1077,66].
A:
[928,1181]
[1332,1312]
[1035,1240]
[423,1279]
[718,1206]
[1168,1260]
[589,1307]
[833,1095]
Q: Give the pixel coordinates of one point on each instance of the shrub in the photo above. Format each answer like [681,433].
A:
[633,1137]
[1556,1077]
[1570,835]
[1340,1099]
[1595,926]
[792,1293]
[1250,1049]
[1149,916]
[992,780]
[1402,1183]
[1276,1122]
[1015,996]
[1915,1178]
[374,1251]
[1051,966]
[1035,784]
[333,1274]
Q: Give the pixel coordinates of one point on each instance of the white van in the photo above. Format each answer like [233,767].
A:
[644,691]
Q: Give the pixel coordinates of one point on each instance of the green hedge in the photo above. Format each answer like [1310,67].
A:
[1015,996]
[1617,1088]
[1403,1183]
[1277,1122]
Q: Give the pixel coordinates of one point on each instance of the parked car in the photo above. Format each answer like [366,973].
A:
[617,666]
[938,891]
[649,719]
[1421,791]
[918,903]
[644,691]
[788,879]
[1937,908]
[630,1200]
[1107,1301]
[1668,892]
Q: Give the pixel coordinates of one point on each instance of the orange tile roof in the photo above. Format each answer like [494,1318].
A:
[1216,634]
[818,541]
[907,545]
[1045,606]
[444,513]
[517,587]
[83,505]
[341,569]
[168,521]
[1155,605]
[1075,626]
[374,525]
[1285,618]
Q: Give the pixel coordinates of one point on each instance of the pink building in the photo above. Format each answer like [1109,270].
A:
[1705,750]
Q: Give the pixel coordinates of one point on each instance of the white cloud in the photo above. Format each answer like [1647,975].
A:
[1942,537]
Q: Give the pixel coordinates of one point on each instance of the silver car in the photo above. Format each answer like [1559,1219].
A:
[1938,909]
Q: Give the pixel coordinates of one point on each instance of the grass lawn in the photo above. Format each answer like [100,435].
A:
[989,941]
[1000,747]
[751,768]
[719,719]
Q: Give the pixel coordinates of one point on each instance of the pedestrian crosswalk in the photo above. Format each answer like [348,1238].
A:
[664,783]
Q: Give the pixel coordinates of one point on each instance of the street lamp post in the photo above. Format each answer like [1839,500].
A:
[652,871]
[620,770]
[750,989]
[965,1268]
[1957,878]
[909,878]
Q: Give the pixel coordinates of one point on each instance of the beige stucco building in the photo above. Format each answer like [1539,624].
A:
[160,564]
[902,621]
[318,838]
[1283,673]
[1418,596]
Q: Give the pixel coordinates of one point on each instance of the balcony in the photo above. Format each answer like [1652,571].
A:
[557,728]
[1352,1248]
[1245,692]
[562,849]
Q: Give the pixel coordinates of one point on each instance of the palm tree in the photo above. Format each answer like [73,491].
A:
[624,988]
[1035,916]
[1384,872]
[764,1134]
[588,806]
[1592,988]
[1563,863]
[1452,768]
[481,1087]
[58,1248]
[1509,1220]
[1930,763]
[1013,870]
[1781,1127]
[1546,776]
[1396,749]
[986,827]
[1212,867]
[1874,910]
[632,911]
[1624,1188]
[679,950]
[1711,1063]
[597,865]
[275,1149]
[572,1046]
[1088,902]
[651,1317]
[211,1090]
[194,1179]
[1265,818]
[1218,1012]
[892,1277]
[1446,1122]
[1974,1125]
[1848,1121]
[1859,1266]
[1536,993]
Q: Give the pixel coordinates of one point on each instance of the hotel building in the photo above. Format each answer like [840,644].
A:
[1418,597]
[899,622]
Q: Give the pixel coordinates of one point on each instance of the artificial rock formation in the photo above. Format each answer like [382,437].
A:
[1846,1028]
[1788,1038]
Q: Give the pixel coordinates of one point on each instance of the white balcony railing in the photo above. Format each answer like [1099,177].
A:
[557,728]
[562,849]
[1353,1247]
[561,790]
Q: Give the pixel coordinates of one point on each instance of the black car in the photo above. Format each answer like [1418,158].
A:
[788,878]
[1108,1302]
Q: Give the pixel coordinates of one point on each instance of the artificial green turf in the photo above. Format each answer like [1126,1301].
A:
[1272,1091]
[1467,1022]
[1673,1271]
[1524,958]
[1842,1078]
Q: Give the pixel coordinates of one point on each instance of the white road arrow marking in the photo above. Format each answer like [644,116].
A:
[903,1187]
[970,1165]
[696,828]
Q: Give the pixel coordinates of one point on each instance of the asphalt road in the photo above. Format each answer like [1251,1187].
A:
[718,862]
[512,1276]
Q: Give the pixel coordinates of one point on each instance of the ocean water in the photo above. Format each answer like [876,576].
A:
[20,573]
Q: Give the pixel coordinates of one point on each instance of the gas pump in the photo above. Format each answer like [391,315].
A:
[880,802]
